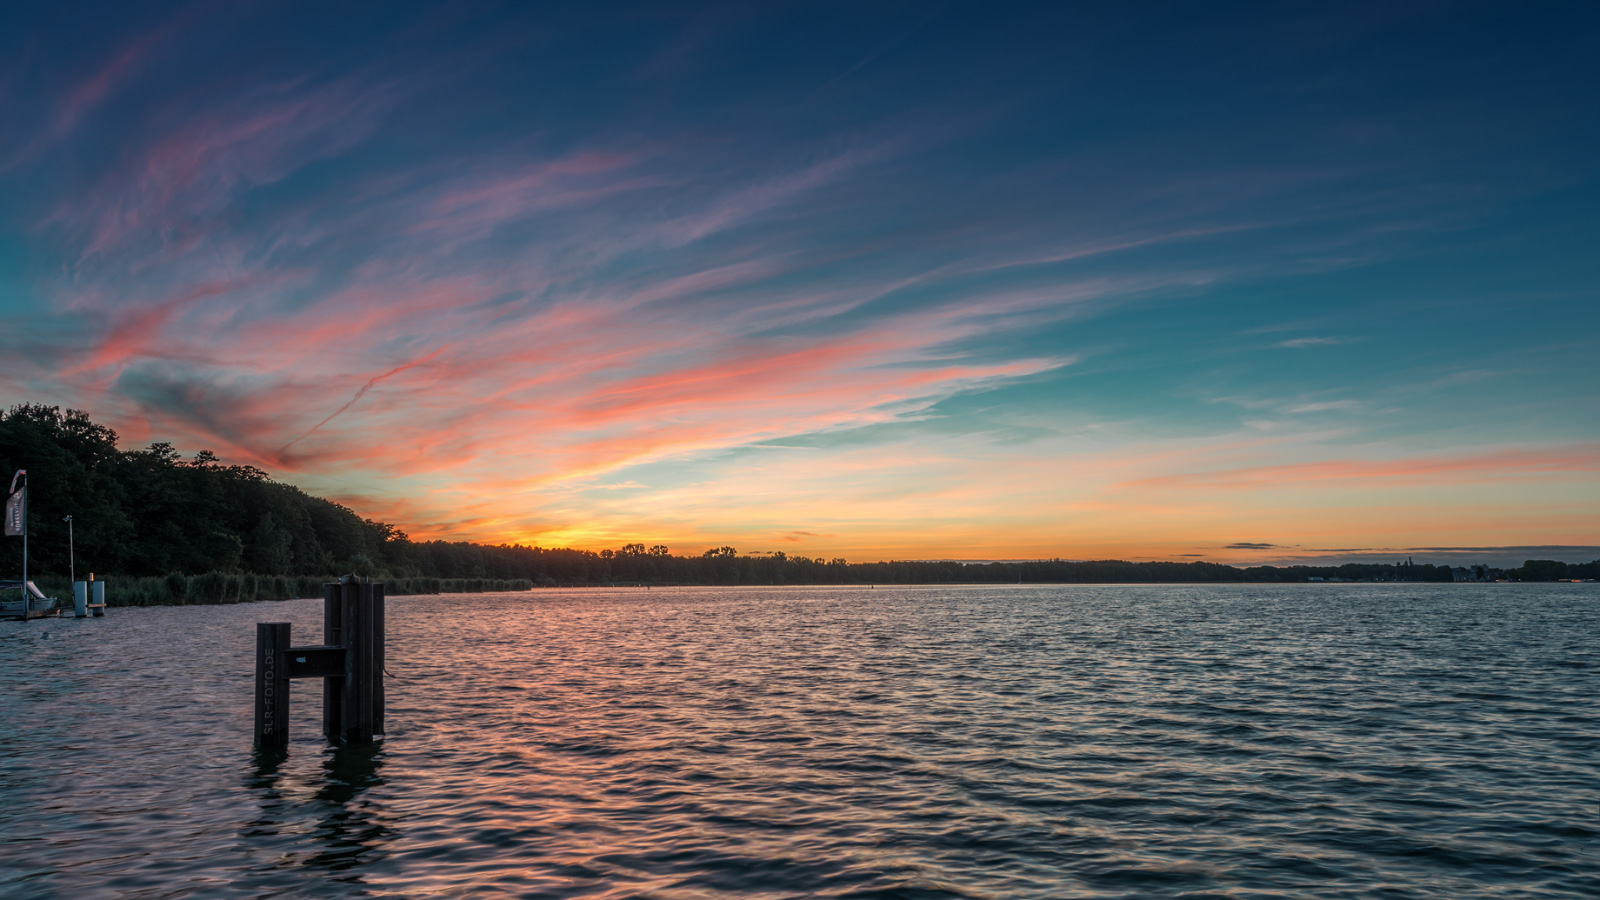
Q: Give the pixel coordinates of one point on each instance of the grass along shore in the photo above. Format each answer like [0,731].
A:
[215,588]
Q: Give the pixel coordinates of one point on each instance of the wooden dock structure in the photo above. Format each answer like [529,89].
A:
[349,661]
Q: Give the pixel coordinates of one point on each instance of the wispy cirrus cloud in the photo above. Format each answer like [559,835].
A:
[162,197]
[371,383]
[534,349]
[112,73]
[1313,342]
[1471,467]
[1322,406]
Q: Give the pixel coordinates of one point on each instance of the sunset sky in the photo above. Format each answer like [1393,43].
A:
[873,280]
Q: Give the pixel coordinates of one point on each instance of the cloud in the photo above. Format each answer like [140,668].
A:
[371,382]
[744,204]
[1314,342]
[1247,545]
[1476,467]
[165,195]
[1324,406]
[473,206]
[114,73]
[881,49]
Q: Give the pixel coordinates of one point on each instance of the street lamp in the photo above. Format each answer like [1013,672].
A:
[72,574]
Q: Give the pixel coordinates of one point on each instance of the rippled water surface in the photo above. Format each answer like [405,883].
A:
[1164,741]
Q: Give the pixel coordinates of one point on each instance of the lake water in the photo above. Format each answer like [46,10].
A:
[1295,741]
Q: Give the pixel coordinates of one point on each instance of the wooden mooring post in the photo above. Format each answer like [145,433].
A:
[349,661]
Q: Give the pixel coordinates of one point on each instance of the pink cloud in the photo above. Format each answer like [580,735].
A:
[478,204]
[144,331]
[119,69]
[163,193]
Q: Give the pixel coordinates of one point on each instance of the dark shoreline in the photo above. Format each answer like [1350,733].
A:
[215,589]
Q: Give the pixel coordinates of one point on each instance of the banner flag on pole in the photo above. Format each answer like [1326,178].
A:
[15,523]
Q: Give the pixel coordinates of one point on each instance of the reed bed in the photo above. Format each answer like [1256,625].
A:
[214,588]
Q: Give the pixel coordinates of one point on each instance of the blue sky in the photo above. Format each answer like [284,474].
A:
[913,280]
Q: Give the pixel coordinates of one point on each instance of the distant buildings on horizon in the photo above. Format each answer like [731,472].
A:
[1478,573]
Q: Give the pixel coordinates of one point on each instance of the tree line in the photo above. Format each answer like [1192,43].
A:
[151,513]
[1553,570]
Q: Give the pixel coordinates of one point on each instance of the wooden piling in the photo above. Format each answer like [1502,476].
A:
[272,686]
[349,662]
[357,702]
[332,636]
[379,633]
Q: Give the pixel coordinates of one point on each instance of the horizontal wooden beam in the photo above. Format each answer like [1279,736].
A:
[314,662]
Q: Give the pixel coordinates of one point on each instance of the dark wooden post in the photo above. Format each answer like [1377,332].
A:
[357,702]
[272,686]
[378,634]
[332,636]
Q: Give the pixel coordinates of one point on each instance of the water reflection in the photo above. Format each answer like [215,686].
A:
[347,831]
[1169,741]
[264,768]
[322,812]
